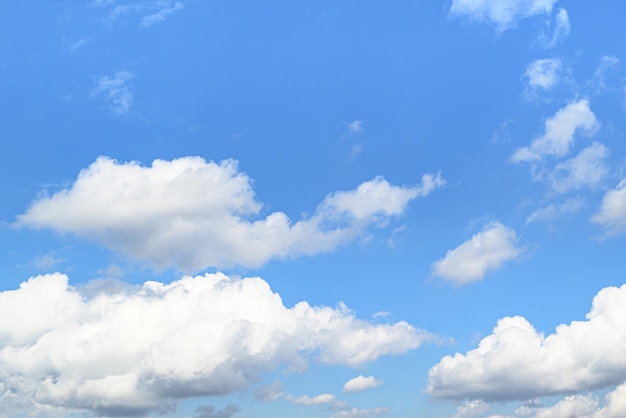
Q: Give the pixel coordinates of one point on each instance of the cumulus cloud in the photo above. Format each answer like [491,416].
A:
[361,383]
[504,14]
[543,73]
[555,211]
[612,213]
[558,137]
[193,214]
[486,250]
[143,348]
[516,362]
[116,90]
[587,169]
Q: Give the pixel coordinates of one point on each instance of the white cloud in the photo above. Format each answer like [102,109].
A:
[597,83]
[322,399]
[193,214]
[587,169]
[117,90]
[555,211]
[161,14]
[46,261]
[543,73]
[361,383]
[562,27]
[505,14]
[571,406]
[517,362]
[355,127]
[612,213]
[141,349]
[360,413]
[486,250]
[558,137]
[210,411]
[471,409]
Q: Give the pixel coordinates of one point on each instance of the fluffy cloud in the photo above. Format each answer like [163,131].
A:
[486,250]
[117,90]
[361,383]
[612,213]
[503,13]
[193,214]
[558,137]
[587,169]
[543,73]
[471,409]
[517,362]
[140,349]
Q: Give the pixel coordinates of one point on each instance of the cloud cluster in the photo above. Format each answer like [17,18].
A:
[131,350]
[505,14]
[543,73]
[193,214]
[486,250]
[516,362]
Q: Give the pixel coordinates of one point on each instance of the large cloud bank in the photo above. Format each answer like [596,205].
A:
[140,349]
[194,214]
[516,362]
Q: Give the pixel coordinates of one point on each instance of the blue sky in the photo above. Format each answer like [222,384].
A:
[313,209]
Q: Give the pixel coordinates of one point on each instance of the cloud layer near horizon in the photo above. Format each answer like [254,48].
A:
[194,214]
[516,362]
[132,350]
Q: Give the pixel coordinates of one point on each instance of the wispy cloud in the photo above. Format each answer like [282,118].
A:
[555,211]
[562,28]
[504,14]
[116,90]
[612,213]
[543,73]
[160,15]
[150,12]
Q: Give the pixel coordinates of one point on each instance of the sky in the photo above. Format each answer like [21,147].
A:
[323,209]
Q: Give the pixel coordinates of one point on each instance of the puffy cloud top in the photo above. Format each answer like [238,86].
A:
[138,349]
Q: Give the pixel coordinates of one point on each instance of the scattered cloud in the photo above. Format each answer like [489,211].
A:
[361,383]
[207,411]
[612,213]
[355,127]
[555,211]
[486,250]
[543,73]
[161,14]
[270,393]
[46,261]
[151,12]
[471,409]
[562,28]
[597,84]
[144,348]
[116,90]
[360,413]
[516,362]
[193,214]
[504,14]
[322,399]
[587,169]
[76,45]
[558,137]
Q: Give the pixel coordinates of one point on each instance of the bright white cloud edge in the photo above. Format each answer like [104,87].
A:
[487,250]
[516,362]
[193,214]
[135,350]
[361,383]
